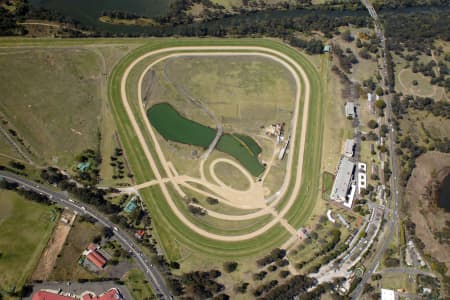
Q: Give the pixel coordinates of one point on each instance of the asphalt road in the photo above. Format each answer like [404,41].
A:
[393,222]
[154,278]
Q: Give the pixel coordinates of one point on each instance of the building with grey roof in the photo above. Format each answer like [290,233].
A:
[349,146]
[350,110]
[343,180]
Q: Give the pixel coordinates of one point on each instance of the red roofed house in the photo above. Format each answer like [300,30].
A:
[140,234]
[97,259]
[92,247]
[112,294]
[44,295]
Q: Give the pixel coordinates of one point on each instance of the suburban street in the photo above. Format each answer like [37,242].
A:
[391,226]
[153,276]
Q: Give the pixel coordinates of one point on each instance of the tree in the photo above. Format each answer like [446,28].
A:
[365,54]
[359,43]
[230,266]
[372,124]
[380,104]
[284,273]
[347,36]
[242,288]
[212,201]
[415,82]
[379,91]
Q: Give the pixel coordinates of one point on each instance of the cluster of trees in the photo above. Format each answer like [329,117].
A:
[408,3]
[8,23]
[346,58]
[425,69]
[23,10]
[91,175]
[372,45]
[389,261]
[118,14]
[275,254]
[409,151]
[259,276]
[28,194]
[416,31]
[264,288]
[118,164]
[327,258]
[90,195]
[295,286]
[443,236]
[327,247]
[197,210]
[437,108]
[202,284]
[16,165]
[312,46]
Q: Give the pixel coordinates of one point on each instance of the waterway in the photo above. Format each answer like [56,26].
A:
[444,194]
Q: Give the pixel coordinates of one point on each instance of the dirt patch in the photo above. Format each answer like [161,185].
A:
[421,207]
[54,246]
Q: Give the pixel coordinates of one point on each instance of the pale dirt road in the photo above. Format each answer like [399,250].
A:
[259,51]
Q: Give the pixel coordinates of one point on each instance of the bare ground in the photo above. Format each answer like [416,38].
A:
[54,246]
[422,212]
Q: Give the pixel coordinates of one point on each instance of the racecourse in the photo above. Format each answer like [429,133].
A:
[165,183]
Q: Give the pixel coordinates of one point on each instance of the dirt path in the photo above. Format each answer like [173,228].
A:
[54,246]
[281,58]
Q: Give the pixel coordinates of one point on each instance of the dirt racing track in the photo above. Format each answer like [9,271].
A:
[277,205]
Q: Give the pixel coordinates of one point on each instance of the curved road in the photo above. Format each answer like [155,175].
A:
[153,276]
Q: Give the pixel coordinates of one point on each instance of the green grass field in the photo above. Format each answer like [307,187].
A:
[25,228]
[137,285]
[56,108]
[244,92]
[327,184]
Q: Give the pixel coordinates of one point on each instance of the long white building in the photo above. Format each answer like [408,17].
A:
[343,181]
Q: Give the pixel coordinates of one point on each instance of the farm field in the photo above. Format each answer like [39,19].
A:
[25,228]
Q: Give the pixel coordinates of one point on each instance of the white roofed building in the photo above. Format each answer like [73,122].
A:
[388,294]
[343,180]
